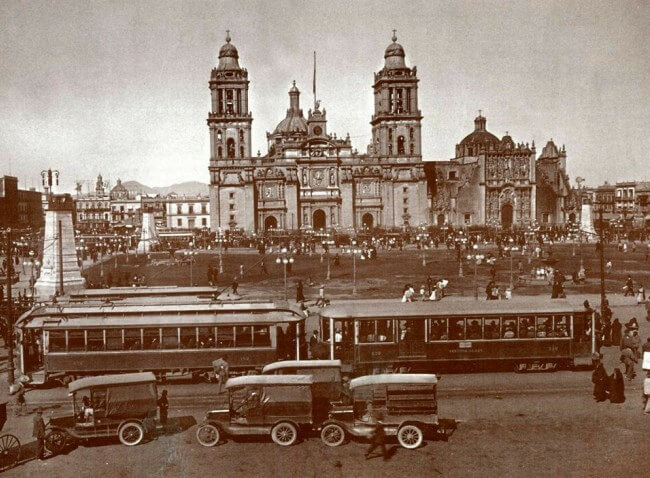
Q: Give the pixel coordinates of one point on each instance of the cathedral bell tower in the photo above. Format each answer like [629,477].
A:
[229,119]
[396,122]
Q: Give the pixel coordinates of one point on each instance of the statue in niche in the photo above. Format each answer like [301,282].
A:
[332,177]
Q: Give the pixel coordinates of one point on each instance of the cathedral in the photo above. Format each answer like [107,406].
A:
[310,179]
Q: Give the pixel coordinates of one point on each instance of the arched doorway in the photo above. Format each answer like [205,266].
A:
[270,223]
[367,221]
[440,219]
[506,215]
[318,220]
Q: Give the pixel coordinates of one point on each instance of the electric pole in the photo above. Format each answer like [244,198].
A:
[10,315]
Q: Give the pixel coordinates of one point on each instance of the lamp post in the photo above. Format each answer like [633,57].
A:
[421,239]
[220,239]
[477,259]
[511,248]
[285,258]
[33,263]
[191,253]
[328,243]
[460,242]
[354,250]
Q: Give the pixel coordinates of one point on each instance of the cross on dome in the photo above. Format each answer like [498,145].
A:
[227,36]
[394,36]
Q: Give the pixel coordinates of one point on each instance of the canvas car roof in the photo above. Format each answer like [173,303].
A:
[117,379]
[269,380]
[393,378]
[300,363]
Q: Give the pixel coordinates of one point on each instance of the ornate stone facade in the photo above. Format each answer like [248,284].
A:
[311,179]
[496,182]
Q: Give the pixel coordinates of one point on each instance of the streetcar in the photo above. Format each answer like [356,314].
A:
[529,334]
[70,340]
[124,293]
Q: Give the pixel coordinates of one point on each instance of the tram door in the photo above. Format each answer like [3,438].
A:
[411,338]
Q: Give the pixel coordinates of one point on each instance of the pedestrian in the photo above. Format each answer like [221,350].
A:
[221,367]
[616,387]
[235,285]
[378,436]
[616,333]
[300,294]
[210,274]
[263,268]
[640,295]
[646,393]
[600,379]
[628,359]
[38,432]
[163,406]
[629,287]
[313,343]
[20,399]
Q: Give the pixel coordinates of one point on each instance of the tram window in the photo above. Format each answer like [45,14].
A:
[491,328]
[95,340]
[132,339]
[457,329]
[373,331]
[526,327]
[76,341]
[343,331]
[114,339]
[243,336]
[509,328]
[188,337]
[438,329]
[170,337]
[261,336]
[474,329]
[151,338]
[325,330]
[581,328]
[57,341]
[225,336]
[206,337]
[560,326]
[544,326]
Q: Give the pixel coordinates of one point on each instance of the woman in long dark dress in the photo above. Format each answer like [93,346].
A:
[616,387]
[601,382]
[616,333]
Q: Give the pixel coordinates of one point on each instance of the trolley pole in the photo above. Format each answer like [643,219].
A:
[10,316]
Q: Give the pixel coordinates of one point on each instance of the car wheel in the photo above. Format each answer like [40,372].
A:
[410,436]
[55,441]
[208,435]
[332,434]
[284,434]
[131,433]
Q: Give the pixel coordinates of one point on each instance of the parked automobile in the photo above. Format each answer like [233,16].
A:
[404,404]
[123,405]
[277,405]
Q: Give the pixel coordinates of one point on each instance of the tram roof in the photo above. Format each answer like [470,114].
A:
[269,380]
[448,306]
[117,379]
[393,378]
[300,364]
[142,291]
[120,316]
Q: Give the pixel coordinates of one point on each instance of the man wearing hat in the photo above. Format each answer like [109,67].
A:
[38,432]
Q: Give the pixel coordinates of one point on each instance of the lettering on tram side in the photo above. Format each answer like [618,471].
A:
[465,345]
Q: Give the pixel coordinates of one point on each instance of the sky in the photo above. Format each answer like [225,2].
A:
[121,87]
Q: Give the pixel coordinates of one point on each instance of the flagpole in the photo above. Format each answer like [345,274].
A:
[314,82]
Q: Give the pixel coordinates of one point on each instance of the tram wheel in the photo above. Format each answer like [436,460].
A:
[9,451]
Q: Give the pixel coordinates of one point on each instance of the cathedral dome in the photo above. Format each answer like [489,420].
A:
[394,55]
[480,135]
[294,121]
[228,55]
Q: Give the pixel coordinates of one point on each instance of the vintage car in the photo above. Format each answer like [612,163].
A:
[279,405]
[326,376]
[123,405]
[404,404]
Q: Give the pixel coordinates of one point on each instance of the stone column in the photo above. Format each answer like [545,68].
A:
[59,252]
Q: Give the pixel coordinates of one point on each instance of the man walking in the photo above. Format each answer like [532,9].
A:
[378,436]
[163,407]
[38,432]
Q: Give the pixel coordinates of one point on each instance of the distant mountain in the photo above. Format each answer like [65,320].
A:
[188,188]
